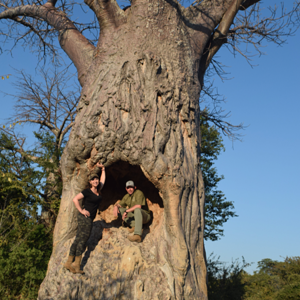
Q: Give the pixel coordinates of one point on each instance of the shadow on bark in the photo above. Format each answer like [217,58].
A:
[111,289]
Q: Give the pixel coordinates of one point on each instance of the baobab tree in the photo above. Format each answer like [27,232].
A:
[139,115]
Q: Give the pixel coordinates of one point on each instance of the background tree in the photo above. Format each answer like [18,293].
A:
[25,243]
[225,282]
[217,209]
[51,104]
[18,179]
[31,180]
[274,280]
[139,108]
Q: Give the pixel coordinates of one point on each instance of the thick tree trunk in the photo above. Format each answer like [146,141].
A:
[139,115]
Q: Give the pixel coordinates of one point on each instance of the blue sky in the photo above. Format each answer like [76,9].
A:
[261,172]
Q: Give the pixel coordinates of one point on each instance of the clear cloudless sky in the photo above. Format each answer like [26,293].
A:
[261,172]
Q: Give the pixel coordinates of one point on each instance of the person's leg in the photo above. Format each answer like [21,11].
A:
[140,217]
[130,216]
[85,228]
[146,217]
[77,238]
[82,225]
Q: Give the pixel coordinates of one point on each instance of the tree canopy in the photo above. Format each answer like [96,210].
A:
[217,209]
[25,243]
[273,280]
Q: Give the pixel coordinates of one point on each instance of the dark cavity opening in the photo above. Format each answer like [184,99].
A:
[116,177]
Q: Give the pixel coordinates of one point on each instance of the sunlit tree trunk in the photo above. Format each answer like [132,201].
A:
[139,108]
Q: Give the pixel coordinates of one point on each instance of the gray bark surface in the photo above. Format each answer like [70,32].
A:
[139,115]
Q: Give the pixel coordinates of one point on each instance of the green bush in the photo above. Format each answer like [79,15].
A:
[23,265]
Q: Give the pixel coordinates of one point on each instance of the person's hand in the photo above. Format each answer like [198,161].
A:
[85,213]
[99,165]
[124,216]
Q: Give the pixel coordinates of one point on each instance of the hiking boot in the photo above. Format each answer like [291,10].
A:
[76,265]
[135,238]
[68,266]
[130,229]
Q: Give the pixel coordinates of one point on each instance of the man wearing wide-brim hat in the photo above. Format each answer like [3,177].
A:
[134,211]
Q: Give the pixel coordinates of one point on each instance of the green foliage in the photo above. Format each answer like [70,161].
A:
[25,244]
[274,280]
[217,209]
[48,156]
[31,185]
[23,265]
[19,195]
[225,282]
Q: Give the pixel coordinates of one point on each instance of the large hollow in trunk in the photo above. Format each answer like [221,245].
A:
[116,177]
[139,115]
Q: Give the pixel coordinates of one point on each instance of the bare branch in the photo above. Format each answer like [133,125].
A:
[249,28]
[71,40]
[251,31]
[51,104]
[227,128]
[19,142]
[214,113]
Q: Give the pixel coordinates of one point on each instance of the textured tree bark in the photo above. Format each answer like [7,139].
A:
[139,115]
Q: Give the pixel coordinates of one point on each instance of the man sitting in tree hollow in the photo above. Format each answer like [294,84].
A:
[134,211]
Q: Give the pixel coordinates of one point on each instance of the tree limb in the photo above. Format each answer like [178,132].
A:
[64,132]
[227,128]
[41,122]
[219,37]
[108,13]
[71,40]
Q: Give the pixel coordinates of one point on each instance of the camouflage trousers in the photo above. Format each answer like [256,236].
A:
[83,233]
